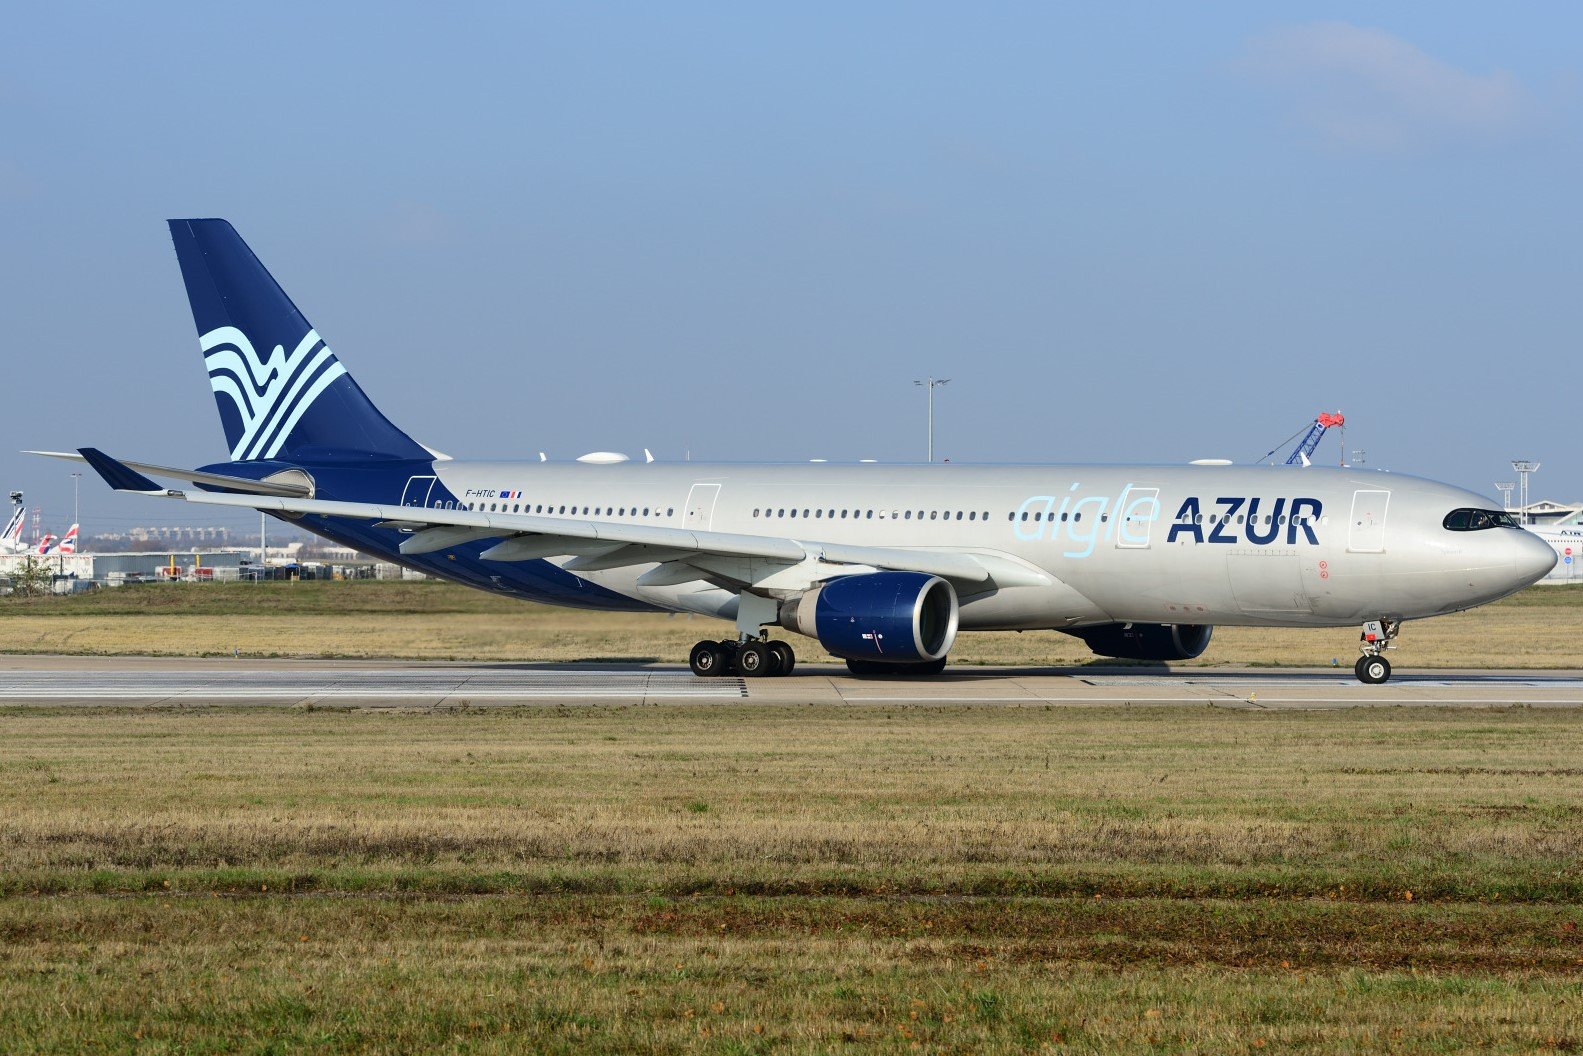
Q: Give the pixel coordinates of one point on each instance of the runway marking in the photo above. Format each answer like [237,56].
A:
[362,685]
[1221,700]
[1240,682]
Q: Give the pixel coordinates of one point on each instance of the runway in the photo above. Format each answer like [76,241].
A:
[151,681]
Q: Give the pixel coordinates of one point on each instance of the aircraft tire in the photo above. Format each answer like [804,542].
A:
[788,658]
[707,660]
[1373,670]
[755,659]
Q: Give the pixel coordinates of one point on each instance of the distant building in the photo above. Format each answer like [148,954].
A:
[1549,512]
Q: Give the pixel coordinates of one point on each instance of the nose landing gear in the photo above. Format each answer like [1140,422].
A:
[1372,668]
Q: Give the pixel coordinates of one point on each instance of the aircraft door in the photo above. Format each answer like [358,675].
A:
[1135,515]
[700,511]
[1366,529]
[417,491]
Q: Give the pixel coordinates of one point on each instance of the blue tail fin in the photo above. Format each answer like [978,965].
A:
[282,393]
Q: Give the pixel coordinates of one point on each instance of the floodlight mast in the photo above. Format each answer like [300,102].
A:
[931,384]
[1505,487]
[1524,467]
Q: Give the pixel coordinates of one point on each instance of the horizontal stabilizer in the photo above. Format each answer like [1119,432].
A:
[118,475]
[218,480]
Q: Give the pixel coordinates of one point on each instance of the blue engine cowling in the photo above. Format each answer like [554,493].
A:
[896,617]
[1146,641]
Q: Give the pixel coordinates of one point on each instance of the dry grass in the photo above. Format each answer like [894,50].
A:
[441,621]
[799,879]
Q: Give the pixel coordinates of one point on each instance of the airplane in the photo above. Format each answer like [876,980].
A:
[68,542]
[11,537]
[45,545]
[882,564]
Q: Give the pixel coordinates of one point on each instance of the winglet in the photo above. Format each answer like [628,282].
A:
[117,475]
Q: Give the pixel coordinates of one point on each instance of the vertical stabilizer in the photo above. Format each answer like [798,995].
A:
[281,392]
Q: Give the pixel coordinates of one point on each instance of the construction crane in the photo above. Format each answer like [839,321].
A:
[1315,432]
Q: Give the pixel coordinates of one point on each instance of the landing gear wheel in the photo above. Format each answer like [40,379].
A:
[788,659]
[755,659]
[707,660]
[1373,670]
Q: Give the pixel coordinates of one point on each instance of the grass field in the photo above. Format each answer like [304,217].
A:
[743,879]
[432,620]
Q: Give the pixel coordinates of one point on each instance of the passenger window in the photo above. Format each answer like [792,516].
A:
[818,513]
[973,516]
[843,515]
[909,515]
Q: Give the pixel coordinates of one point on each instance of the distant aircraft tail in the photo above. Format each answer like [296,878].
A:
[46,544]
[68,543]
[281,392]
[12,536]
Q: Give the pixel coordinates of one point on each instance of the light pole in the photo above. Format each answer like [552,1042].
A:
[1505,488]
[76,478]
[930,384]
[1524,466]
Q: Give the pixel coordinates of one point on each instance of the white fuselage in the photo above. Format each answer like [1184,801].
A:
[1161,544]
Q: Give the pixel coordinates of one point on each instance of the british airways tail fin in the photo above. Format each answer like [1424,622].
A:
[68,543]
[281,392]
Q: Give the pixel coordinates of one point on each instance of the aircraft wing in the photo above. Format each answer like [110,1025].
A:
[681,554]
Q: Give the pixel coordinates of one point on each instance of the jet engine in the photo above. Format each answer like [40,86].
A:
[888,617]
[1146,641]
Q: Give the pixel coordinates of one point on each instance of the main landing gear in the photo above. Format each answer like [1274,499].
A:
[754,658]
[1372,667]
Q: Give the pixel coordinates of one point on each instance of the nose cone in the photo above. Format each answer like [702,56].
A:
[1532,558]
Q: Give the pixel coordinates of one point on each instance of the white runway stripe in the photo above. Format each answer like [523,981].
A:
[258,684]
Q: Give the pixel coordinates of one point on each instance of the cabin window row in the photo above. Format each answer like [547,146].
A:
[1218,518]
[809,513]
[554,510]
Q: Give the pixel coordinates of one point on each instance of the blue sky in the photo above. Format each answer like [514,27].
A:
[1126,232]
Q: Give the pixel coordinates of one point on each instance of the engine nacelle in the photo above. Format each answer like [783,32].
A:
[896,617]
[1146,641]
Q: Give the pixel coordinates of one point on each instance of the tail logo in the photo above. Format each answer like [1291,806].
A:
[271,394]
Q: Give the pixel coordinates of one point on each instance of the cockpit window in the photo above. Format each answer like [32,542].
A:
[1478,520]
